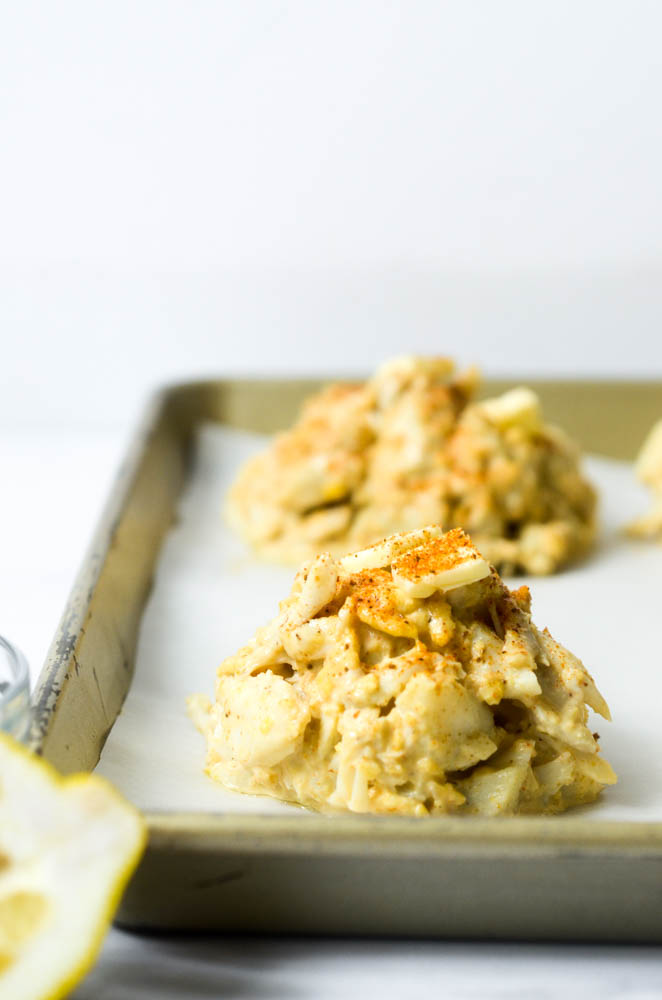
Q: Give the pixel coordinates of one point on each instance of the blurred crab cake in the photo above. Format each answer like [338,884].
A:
[409,448]
[649,471]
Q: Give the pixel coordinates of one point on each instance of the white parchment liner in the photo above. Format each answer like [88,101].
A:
[210,595]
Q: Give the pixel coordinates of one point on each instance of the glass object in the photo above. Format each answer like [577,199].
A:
[14,691]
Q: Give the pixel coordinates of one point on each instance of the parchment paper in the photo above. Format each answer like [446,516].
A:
[211,594]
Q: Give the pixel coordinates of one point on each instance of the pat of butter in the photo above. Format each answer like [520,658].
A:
[446,564]
[383,553]
[649,460]
[517,408]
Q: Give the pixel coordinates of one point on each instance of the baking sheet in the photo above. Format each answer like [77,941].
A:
[210,594]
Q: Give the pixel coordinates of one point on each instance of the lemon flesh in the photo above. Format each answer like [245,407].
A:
[67,849]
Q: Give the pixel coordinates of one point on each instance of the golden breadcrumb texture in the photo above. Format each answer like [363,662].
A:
[649,471]
[406,679]
[409,448]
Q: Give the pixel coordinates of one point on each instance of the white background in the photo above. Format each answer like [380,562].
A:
[196,187]
[209,187]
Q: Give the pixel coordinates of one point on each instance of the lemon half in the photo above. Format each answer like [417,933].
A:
[67,849]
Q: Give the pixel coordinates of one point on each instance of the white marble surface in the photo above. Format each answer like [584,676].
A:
[53,485]
[300,969]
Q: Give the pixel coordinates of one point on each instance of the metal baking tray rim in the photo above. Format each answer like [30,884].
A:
[172,414]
